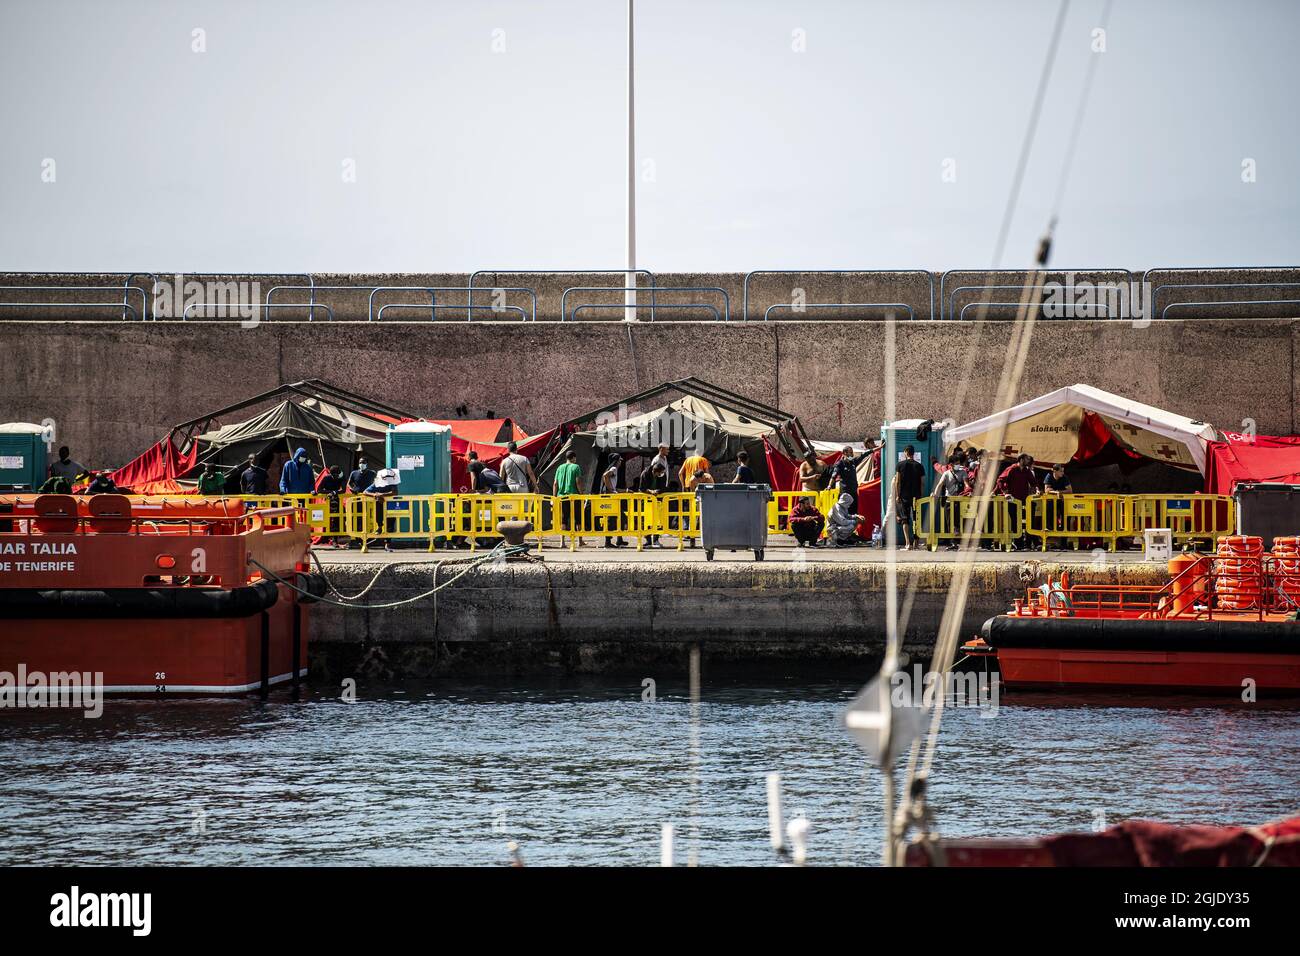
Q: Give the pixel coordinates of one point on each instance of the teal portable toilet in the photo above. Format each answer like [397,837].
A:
[926,437]
[22,456]
[421,453]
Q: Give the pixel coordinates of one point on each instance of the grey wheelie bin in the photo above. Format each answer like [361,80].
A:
[733,517]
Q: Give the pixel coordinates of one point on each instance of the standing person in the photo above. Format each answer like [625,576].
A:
[297,477]
[516,471]
[660,458]
[1056,484]
[909,483]
[744,474]
[693,469]
[811,473]
[253,479]
[609,486]
[845,472]
[568,482]
[362,477]
[66,468]
[950,484]
[806,522]
[653,481]
[384,486]
[211,481]
[331,484]
[1018,482]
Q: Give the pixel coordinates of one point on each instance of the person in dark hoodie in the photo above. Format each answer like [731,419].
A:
[297,477]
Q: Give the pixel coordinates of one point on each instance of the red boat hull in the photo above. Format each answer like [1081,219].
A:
[166,656]
[1024,667]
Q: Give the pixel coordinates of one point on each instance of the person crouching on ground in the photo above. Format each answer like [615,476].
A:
[806,522]
[843,522]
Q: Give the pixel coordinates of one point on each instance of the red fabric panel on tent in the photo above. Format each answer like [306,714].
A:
[480,429]
[785,477]
[491,454]
[1093,437]
[1267,458]
[155,471]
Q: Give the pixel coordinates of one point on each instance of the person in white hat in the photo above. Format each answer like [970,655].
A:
[384,486]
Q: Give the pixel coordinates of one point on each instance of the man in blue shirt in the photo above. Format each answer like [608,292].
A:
[297,477]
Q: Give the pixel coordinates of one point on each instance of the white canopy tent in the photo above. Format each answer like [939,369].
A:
[1049,428]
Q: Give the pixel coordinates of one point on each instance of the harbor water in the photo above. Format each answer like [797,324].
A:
[585,771]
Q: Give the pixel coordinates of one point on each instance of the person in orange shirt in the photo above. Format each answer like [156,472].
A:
[694,471]
[691,470]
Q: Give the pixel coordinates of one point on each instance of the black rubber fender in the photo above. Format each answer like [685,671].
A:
[1112,634]
[119,603]
[314,584]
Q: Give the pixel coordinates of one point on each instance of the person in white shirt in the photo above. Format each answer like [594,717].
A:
[517,472]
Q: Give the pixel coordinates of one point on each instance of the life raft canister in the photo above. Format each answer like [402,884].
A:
[1286,567]
[1239,569]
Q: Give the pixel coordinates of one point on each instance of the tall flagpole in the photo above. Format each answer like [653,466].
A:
[629,297]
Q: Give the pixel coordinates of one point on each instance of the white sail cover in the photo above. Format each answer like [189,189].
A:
[1048,428]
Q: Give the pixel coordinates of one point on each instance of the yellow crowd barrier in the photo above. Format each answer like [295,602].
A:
[1082,520]
[1193,519]
[631,515]
[679,514]
[783,502]
[1076,519]
[949,520]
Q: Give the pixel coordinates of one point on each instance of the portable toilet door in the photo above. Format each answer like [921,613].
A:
[22,456]
[926,438]
[421,453]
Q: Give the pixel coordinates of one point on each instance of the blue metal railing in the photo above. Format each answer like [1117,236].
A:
[559,272]
[654,292]
[434,290]
[123,305]
[433,309]
[929,278]
[961,316]
[911,313]
[1155,293]
[264,306]
[1181,305]
[993,273]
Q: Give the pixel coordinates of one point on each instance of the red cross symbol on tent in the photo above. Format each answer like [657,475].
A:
[1166,451]
[1010,451]
[1126,426]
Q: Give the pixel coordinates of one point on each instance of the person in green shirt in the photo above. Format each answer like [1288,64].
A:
[568,478]
[211,482]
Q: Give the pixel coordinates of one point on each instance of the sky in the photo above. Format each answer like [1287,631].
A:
[395,135]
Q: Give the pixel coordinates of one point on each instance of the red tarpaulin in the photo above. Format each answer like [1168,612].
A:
[488,430]
[487,452]
[155,471]
[1239,458]
[784,474]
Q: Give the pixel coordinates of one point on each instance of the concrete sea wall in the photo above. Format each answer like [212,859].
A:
[594,617]
[113,388]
